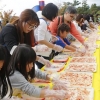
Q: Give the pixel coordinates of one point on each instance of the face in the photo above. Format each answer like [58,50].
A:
[69,17]
[29,67]
[81,21]
[1,63]
[64,34]
[27,27]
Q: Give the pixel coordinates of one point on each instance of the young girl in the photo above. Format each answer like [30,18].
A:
[63,31]
[22,62]
[5,86]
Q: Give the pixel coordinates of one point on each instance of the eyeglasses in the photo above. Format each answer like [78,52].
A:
[31,26]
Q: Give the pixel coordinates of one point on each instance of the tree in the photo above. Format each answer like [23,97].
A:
[62,9]
[84,9]
[93,9]
[5,16]
[75,3]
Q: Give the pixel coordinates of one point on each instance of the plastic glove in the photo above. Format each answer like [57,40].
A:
[81,50]
[86,45]
[59,84]
[57,94]
[57,48]
[54,38]
[45,62]
[86,35]
[40,48]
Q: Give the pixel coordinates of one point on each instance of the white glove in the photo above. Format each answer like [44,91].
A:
[57,48]
[58,84]
[81,50]
[58,94]
[40,48]
[45,62]
[54,38]
[86,45]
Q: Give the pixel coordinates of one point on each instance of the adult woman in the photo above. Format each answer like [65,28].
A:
[22,61]
[20,31]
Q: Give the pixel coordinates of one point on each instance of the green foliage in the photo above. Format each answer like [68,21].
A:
[62,9]
[84,8]
[75,3]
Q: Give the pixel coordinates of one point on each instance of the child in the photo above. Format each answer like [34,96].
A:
[62,33]
[5,86]
[22,61]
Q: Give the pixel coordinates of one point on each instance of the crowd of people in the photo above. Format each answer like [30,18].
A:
[28,34]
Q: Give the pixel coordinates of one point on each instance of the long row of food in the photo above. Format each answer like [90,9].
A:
[78,70]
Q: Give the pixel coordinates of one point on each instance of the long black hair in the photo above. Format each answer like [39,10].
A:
[4,76]
[23,55]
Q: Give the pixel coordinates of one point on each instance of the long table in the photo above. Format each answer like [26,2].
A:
[96,75]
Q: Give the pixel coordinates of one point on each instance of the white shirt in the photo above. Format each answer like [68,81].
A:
[86,22]
[42,33]
[77,27]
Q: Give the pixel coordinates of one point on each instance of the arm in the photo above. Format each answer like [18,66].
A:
[70,48]
[10,37]
[25,86]
[64,45]
[42,31]
[40,74]
[76,33]
[45,42]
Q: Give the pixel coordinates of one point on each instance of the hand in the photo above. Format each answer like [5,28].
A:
[54,38]
[47,63]
[57,94]
[81,50]
[86,45]
[40,48]
[57,48]
[86,35]
[58,84]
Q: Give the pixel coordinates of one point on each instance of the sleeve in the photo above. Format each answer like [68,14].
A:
[60,42]
[76,33]
[67,41]
[10,37]
[53,26]
[25,86]
[41,75]
[79,29]
[42,30]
